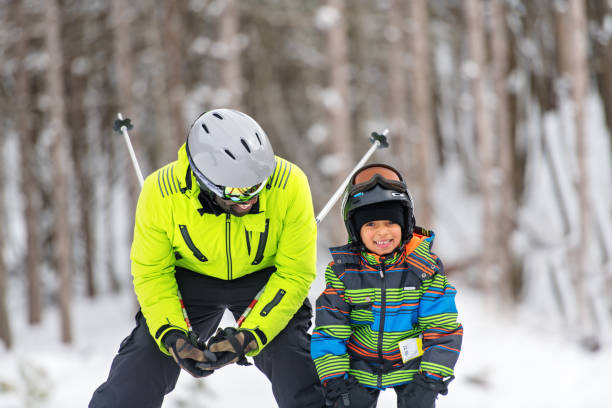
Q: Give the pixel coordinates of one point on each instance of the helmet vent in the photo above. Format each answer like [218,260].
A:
[217,115]
[205,128]
[230,154]
[246,145]
[258,138]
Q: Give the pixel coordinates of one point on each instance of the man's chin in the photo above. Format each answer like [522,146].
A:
[236,210]
[239,212]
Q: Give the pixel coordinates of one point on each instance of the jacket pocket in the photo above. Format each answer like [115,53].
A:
[277,298]
[361,313]
[263,238]
[187,238]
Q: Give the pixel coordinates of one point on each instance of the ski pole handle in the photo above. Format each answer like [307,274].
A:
[377,140]
[122,126]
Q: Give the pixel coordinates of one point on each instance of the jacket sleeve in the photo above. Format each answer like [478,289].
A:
[153,264]
[295,263]
[332,331]
[442,334]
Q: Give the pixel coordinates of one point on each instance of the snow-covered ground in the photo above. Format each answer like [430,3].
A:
[508,360]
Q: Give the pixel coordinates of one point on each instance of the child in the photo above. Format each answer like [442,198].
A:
[387,316]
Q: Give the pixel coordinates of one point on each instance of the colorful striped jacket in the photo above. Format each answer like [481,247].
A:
[370,304]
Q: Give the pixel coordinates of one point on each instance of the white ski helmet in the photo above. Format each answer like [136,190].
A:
[228,149]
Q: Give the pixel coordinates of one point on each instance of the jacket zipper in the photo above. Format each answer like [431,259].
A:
[263,237]
[228,246]
[196,252]
[381,329]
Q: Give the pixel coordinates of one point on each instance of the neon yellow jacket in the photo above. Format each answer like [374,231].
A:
[169,231]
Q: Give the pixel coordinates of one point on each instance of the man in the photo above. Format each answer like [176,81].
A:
[212,228]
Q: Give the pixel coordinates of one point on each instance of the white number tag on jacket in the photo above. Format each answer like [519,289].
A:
[411,348]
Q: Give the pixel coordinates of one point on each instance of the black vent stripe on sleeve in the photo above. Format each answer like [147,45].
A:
[174,180]
[271,178]
[288,174]
[164,177]
[169,178]
[167,183]
[279,180]
[159,183]
[281,166]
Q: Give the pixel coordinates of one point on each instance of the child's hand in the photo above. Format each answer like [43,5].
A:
[347,392]
[422,392]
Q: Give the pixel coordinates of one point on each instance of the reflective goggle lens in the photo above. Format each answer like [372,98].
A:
[369,177]
[367,174]
[241,194]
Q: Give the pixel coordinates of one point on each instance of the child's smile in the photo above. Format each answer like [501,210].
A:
[381,236]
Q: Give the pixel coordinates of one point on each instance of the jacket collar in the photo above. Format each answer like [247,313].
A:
[348,254]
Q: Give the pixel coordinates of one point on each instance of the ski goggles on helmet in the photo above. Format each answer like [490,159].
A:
[241,194]
[368,177]
[235,194]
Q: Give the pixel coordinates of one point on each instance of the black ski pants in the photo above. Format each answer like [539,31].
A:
[141,375]
[370,400]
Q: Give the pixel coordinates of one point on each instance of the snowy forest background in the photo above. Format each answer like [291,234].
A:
[499,114]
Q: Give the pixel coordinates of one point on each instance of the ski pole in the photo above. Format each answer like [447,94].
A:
[122,126]
[377,140]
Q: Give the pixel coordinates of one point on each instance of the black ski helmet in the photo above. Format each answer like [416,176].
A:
[378,188]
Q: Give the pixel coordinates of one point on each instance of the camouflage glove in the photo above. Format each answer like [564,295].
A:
[186,355]
[230,346]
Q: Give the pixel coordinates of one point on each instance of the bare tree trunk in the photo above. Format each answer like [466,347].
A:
[507,208]
[231,74]
[28,181]
[423,106]
[60,157]
[476,39]
[172,43]
[161,150]
[339,104]
[74,48]
[579,72]
[339,83]
[124,67]
[5,328]
[398,105]
[601,11]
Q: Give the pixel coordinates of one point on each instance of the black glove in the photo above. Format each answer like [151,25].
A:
[423,391]
[230,346]
[186,354]
[346,392]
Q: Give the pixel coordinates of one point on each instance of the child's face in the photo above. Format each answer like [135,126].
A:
[381,236]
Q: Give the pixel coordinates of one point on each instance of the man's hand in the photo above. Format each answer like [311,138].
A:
[186,355]
[230,346]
